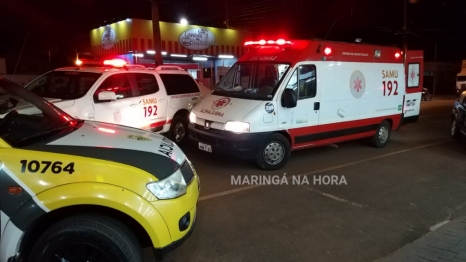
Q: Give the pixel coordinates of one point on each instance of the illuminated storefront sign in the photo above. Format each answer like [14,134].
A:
[197,39]
[108,38]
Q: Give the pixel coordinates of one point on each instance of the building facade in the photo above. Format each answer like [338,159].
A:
[206,52]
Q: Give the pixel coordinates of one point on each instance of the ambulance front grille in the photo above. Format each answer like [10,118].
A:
[187,172]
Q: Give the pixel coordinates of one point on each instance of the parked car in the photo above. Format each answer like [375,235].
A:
[458,117]
[111,91]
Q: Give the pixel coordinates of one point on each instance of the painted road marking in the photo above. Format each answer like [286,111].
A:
[331,196]
[241,189]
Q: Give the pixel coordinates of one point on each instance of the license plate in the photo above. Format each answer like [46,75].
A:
[205,147]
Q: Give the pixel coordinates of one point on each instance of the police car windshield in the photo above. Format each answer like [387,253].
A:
[63,84]
[252,80]
[24,114]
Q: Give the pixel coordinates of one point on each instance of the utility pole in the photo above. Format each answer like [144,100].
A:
[405,31]
[226,15]
[156,32]
[435,70]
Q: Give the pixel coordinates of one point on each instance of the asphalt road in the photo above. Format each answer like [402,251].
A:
[392,196]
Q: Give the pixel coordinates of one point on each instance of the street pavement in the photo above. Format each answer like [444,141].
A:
[381,201]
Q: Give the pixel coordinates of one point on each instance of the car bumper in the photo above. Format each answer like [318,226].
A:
[160,253]
[243,146]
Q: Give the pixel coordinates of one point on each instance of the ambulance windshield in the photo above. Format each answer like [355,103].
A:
[252,80]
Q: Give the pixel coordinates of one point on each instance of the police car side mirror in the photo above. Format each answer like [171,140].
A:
[289,98]
[107,96]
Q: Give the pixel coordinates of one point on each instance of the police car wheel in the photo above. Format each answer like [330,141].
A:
[382,136]
[274,152]
[179,130]
[455,131]
[87,238]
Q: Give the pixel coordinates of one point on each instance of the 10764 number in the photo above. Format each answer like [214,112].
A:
[56,167]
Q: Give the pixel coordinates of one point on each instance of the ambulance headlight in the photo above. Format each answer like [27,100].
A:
[192,118]
[237,127]
[170,187]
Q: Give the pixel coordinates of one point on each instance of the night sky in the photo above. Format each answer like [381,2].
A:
[59,28]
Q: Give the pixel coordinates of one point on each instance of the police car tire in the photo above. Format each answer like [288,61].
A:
[172,135]
[106,233]
[277,139]
[375,140]
[455,130]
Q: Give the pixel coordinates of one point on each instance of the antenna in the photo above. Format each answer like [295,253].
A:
[320,45]
[19,58]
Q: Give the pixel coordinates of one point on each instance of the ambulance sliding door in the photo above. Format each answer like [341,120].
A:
[414,74]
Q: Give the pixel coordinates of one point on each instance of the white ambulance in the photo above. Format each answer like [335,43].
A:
[113,91]
[283,96]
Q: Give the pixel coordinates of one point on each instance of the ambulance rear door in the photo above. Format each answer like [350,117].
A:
[414,74]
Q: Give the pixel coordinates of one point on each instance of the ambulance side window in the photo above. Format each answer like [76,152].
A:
[118,83]
[307,84]
[147,84]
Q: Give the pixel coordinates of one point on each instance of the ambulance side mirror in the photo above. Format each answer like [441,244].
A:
[107,96]
[289,98]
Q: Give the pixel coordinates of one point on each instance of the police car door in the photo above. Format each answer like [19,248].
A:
[153,101]
[125,109]
[302,120]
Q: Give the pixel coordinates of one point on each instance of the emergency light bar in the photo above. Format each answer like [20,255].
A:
[115,62]
[279,42]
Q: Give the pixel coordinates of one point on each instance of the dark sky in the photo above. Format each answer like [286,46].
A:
[61,27]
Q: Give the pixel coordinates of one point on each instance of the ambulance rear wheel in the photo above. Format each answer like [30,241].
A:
[382,136]
[179,130]
[87,238]
[274,152]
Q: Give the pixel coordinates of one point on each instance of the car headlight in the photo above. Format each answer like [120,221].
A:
[237,127]
[192,118]
[170,187]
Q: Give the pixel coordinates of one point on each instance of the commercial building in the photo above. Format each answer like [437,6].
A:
[206,52]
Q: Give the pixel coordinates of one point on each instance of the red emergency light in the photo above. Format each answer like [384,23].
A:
[279,42]
[327,50]
[115,62]
[397,55]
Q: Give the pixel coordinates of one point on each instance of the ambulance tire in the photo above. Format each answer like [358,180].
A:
[179,130]
[87,238]
[382,136]
[274,152]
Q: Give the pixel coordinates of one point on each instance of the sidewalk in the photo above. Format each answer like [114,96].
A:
[445,244]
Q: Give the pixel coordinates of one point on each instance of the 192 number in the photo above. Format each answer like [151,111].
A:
[150,111]
[35,166]
[388,86]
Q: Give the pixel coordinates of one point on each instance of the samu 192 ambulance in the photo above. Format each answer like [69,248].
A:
[75,190]
[283,95]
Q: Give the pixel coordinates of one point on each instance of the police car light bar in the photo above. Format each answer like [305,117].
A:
[262,42]
[115,62]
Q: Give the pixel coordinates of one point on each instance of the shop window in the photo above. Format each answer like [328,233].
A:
[179,84]
[115,83]
[147,84]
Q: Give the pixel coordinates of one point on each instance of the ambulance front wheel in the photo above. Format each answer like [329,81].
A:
[87,238]
[382,136]
[274,152]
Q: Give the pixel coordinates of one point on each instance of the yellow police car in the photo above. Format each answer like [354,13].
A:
[74,190]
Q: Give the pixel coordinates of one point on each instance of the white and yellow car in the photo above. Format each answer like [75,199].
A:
[75,190]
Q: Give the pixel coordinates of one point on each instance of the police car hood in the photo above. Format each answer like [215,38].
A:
[142,149]
[222,109]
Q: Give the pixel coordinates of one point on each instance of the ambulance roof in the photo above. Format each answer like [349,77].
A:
[294,51]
